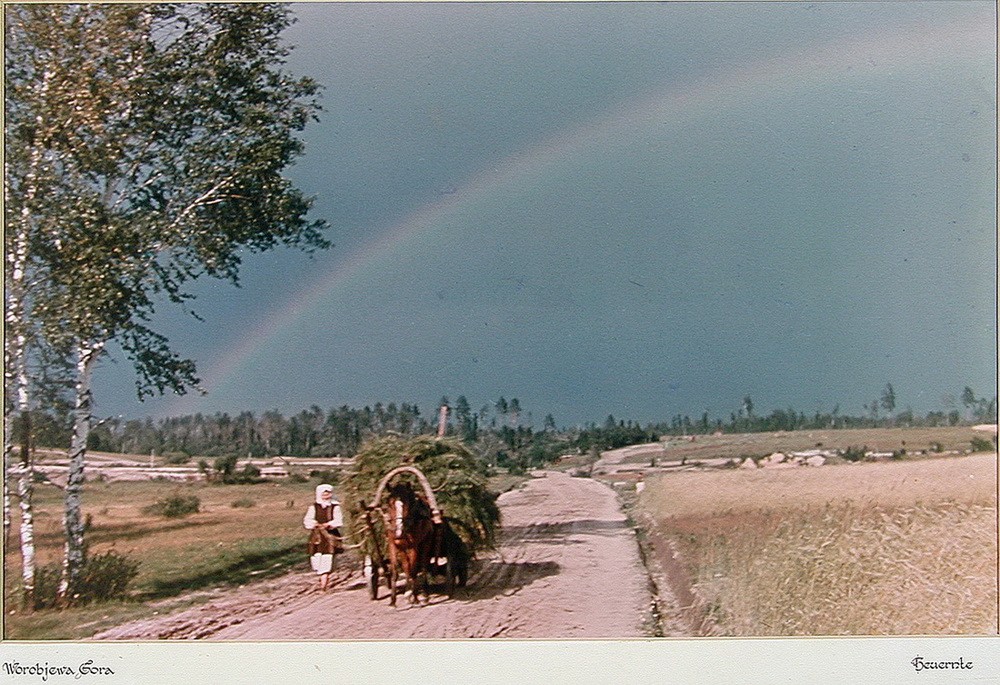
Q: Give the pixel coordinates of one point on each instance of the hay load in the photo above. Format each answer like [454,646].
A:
[456,476]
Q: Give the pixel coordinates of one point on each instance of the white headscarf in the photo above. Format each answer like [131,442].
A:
[320,489]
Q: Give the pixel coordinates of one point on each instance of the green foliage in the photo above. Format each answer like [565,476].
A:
[177,457]
[243,503]
[173,506]
[105,576]
[329,476]
[854,453]
[888,400]
[248,474]
[46,586]
[226,465]
[979,444]
[102,577]
[456,476]
[149,151]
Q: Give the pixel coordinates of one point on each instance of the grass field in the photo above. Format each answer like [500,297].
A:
[241,533]
[916,441]
[901,547]
[219,545]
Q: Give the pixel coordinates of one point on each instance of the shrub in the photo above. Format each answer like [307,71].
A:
[103,577]
[174,506]
[243,503]
[46,586]
[937,447]
[226,465]
[325,476]
[248,474]
[981,445]
[854,453]
[177,457]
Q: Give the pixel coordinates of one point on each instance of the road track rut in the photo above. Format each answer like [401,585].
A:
[567,566]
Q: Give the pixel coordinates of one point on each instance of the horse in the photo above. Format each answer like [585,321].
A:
[410,535]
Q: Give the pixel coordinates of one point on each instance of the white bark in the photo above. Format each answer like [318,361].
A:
[25,488]
[16,380]
[87,356]
[16,366]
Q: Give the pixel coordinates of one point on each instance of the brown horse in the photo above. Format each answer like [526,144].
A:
[410,536]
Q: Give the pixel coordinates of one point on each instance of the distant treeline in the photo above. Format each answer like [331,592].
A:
[501,432]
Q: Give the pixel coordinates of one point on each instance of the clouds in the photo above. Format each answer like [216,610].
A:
[594,199]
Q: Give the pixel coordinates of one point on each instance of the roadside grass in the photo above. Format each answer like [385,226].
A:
[84,622]
[220,545]
[895,548]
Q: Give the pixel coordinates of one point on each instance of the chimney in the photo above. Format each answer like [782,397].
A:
[443,420]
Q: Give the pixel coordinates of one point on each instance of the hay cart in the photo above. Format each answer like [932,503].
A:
[449,556]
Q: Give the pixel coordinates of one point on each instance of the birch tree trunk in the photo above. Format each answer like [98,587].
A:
[16,382]
[16,385]
[25,489]
[87,357]
[17,358]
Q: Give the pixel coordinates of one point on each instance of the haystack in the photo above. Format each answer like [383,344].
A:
[457,478]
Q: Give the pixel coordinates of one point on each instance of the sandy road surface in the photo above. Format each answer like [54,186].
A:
[568,567]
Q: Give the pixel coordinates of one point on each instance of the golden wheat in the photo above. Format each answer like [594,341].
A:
[894,548]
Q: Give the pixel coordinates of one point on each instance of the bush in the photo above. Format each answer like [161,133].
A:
[226,465]
[981,445]
[854,453]
[177,457]
[46,586]
[249,474]
[174,506]
[243,503]
[326,476]
[103,577]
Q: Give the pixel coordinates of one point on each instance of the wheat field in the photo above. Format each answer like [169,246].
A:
[894,548]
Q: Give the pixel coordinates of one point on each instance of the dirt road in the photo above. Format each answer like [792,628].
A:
[568,566]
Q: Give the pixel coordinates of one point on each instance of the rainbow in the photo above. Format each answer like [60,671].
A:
[676,104]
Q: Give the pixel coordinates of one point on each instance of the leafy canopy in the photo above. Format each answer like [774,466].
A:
[145,148]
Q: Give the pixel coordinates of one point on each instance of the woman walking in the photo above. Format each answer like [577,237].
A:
[323,518]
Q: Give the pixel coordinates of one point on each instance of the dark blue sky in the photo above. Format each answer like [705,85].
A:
[623,208]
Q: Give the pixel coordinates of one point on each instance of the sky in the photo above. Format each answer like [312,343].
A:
[635,209]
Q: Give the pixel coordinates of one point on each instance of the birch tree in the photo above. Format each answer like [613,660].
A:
[163,131]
